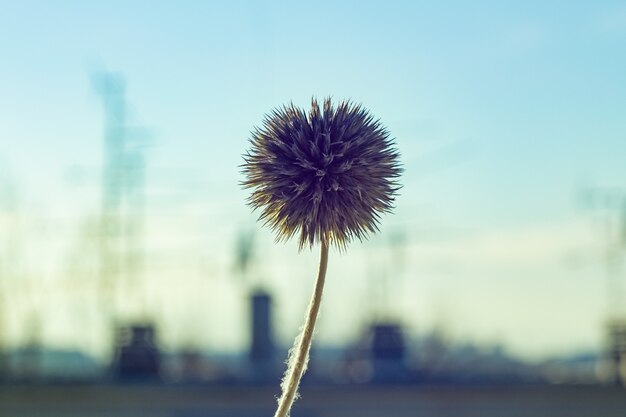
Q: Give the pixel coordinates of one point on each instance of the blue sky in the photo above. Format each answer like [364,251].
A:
[502,112]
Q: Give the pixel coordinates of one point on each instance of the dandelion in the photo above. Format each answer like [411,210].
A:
[326,176]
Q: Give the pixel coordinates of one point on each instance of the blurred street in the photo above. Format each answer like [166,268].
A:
[352,401]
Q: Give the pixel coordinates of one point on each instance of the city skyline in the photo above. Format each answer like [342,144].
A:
[505,116]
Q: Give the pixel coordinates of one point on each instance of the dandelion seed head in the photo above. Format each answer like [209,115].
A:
[326,175]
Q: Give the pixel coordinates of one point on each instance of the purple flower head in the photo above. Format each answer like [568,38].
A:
[326,175]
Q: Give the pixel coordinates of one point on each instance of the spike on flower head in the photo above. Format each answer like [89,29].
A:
[326,175]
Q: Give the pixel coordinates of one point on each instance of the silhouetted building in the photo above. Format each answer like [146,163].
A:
[262,349]
[262,343]
[137,356]
[617,350]
[378,357]
[387,353]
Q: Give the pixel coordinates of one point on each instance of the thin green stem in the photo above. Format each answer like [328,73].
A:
[299,355]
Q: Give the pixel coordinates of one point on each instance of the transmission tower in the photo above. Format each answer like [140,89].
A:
[122,201]
[7,211]
[611,207]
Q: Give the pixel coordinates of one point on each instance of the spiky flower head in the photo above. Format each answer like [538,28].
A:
[326,175]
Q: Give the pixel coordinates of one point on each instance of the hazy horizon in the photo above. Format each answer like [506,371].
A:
[509,119]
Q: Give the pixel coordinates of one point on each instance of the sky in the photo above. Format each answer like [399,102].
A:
[509,118]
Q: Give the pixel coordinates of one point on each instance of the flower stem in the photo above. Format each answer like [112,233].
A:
[299,354]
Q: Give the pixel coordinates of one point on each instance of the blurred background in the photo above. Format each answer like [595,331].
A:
[134,280]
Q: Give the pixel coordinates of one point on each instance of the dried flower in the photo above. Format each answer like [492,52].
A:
[326,175]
